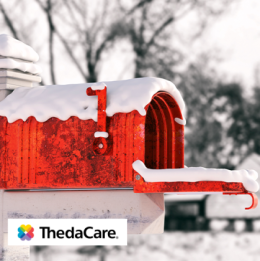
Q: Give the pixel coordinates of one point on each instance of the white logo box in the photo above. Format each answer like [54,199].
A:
[69,232]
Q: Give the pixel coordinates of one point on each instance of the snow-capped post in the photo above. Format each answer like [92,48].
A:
[17,65]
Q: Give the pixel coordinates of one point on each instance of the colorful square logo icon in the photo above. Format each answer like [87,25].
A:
[25,232]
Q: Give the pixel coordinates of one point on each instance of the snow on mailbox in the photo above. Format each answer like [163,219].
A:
[118,134]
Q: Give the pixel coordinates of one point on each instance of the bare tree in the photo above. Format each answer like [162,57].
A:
[9,21]
[48,9]
[86,36]
[87,29]
[150,25]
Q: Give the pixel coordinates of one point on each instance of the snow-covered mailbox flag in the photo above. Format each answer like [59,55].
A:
[119,134]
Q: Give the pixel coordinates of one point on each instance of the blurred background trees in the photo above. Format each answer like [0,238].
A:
[87,29]
[222,123]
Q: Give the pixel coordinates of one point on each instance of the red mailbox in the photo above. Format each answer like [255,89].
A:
[60,154]
[77,153]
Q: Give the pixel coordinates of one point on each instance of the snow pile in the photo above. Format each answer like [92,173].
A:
[10,47]
[17,55]
[180,121]
[103,134]
[64,101]
[169,246]
[194,174]
[218,225]
[98,86]
[9,63]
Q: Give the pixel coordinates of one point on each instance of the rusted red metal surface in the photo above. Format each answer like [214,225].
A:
[101,145]
[102,105]
[228,188]
[201,186]
[59,154]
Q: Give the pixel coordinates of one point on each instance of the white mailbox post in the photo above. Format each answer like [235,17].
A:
[144,212]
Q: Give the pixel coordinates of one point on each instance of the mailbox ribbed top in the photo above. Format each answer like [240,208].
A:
[64,101]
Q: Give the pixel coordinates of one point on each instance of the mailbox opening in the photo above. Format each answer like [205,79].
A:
[163,135]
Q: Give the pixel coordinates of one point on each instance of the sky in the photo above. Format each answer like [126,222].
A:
[237,35]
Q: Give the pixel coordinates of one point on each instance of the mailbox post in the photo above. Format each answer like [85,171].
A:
[144,212]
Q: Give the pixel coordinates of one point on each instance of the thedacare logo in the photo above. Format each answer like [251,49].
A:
[25,232]
[61,232]
[88,232]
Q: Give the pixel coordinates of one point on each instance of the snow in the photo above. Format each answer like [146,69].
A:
[172,197]
[64,101]
[218,224]
[10,47]
[194,174]
[240,225]
[98,86]
[9,63]
[169,246]
[256,225]
[100,134]
[180,121]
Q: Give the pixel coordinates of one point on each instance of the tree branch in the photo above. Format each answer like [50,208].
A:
[9,22]
[70,53]
[102,46]
[67,4]
[64,42]
[40,4]
[51,31]
[137,6]
[159,30]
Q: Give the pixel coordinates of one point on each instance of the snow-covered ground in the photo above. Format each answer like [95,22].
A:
[176,246]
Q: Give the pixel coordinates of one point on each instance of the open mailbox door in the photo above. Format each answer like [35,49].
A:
[223,181]
[163,169]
